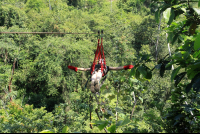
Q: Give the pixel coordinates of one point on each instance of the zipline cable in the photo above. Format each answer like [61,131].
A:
[42,33]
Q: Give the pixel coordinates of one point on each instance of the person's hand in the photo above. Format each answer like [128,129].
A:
[73,68]
[128,67]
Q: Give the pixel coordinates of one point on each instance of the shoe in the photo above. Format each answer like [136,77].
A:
[92,89]
[96,86]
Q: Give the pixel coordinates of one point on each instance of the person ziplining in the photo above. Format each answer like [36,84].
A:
[99,68]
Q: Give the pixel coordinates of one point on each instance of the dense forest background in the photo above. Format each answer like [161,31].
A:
[159,37]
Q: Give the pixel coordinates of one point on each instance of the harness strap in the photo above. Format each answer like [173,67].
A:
[96,55]
[99,56]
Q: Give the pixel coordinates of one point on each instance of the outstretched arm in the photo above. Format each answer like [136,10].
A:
[76,68]
[110,68]
[83,69]
[121,68]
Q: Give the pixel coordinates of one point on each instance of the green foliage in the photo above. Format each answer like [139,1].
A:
[184,32]
[141,99]
[17,119]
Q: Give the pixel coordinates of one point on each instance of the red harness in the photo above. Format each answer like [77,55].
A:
[99,56]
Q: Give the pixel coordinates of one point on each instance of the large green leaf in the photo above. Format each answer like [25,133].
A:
[197,43]
[149,74]
[112,128]
[119,123]
[191,73]
[141,99]
[137,74]
[166,14]
[169,15]
[102,124]
[171,18]
[46,131]
[174,73]
[133,70]
[125,121]
[174,38]
[199,3]
[157,15]
[179,77]
[162,70]
[196,85]
[188,87]
[196,54]
[65,129]
[197,10]
[142,70]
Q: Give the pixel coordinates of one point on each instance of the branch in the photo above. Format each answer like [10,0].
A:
[96,110]
[135,101]
[90,111]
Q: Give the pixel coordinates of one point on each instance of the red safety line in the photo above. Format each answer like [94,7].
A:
[99,56]
[95,58]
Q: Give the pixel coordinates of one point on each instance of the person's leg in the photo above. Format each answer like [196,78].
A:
[93,78]
[97,81]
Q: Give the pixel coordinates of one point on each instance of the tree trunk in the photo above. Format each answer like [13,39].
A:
[10,83]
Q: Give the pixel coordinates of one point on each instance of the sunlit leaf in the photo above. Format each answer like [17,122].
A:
[65,129]
[197,10]
[166,14]
[112,128]
[46,131]
[197,43]
[183,9]
[141,99]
